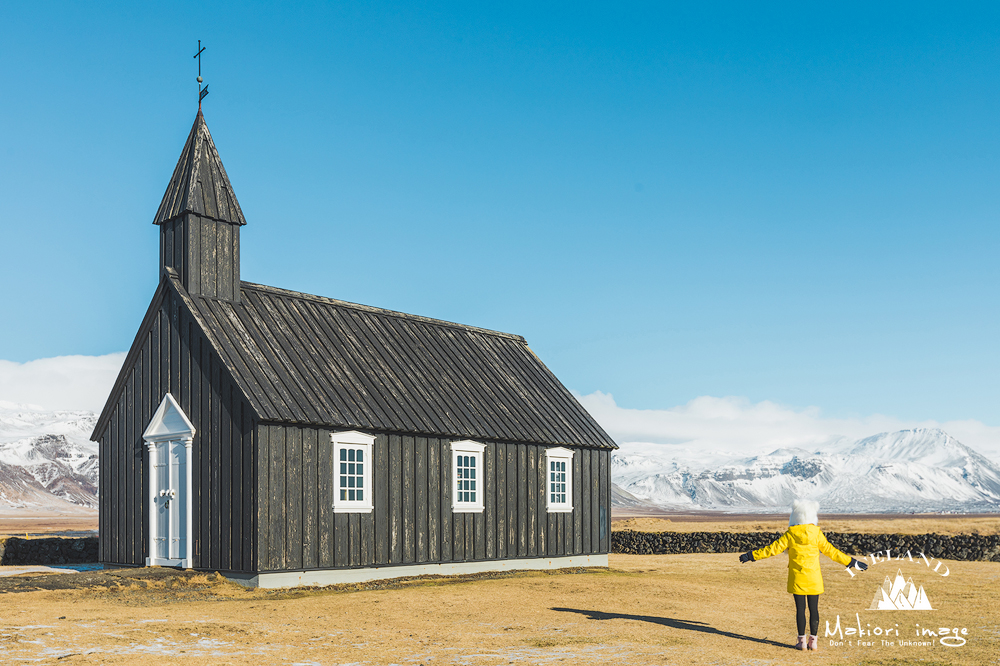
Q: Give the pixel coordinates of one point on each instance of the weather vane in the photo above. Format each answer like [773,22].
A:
[201,91]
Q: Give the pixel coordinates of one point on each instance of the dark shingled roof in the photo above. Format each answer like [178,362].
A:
[200,184]
[306,359]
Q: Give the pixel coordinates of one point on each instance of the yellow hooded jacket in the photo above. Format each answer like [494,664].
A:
[804,544]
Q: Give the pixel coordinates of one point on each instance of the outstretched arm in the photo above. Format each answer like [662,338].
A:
[777,546]
[827,549]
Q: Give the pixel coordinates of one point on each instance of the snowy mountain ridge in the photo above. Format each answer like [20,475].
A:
[918,470]
[47,461]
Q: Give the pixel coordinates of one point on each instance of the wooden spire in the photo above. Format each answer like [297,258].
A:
[200,184]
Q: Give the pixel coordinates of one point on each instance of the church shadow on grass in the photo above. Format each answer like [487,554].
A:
[673,624]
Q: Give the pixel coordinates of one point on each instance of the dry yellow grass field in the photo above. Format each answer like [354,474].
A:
[666,609]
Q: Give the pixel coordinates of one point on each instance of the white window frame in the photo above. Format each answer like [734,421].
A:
[464,448]
[352,439]
[559,455]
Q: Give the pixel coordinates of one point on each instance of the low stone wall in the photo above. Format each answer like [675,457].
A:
[962,547]
[56,550]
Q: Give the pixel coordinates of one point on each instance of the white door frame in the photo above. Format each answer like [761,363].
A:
[167,431]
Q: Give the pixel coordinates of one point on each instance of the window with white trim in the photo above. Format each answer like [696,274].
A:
[559,480]
[468,484]
[352,472]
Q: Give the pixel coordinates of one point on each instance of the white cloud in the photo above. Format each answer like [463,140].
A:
[736,425]
[61,382]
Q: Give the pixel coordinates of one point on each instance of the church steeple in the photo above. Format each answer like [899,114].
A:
[200,220]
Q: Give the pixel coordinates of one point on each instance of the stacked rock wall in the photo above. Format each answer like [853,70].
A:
[56,550]
[962,547]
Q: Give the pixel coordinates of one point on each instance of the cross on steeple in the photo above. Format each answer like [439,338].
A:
[201,92]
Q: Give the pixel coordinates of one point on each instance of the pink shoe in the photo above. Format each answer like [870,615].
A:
[813,643]
[801,643]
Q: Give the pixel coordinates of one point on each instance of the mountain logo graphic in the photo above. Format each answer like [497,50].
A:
[900,594]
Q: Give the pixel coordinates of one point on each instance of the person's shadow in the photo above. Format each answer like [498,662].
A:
[673,624]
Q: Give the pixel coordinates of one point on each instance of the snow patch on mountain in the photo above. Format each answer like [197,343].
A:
[918,470]
[47,460]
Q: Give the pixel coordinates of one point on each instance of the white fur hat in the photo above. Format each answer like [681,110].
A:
[804,513]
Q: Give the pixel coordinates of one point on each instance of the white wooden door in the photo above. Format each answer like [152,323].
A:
[169,439]
[170,497]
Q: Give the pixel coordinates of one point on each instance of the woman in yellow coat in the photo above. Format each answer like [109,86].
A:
[804,542]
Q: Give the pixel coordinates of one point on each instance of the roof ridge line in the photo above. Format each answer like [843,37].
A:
[369,308]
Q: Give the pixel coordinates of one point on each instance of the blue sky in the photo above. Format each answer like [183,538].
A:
[794,204]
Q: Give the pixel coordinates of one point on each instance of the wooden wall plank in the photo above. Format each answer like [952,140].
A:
[197,383]
[276,535]
[144,400]
[209,252]
[136,450]
[249,510]
[531,504]
[215,523]
[565,538]
[433,500]
[605,499]
[310,490]
[324,449]
[447,517]
[578,481]
[522,501]
[512,501]
[479,535]
[595,501]
[490,499]
[207,462]
[551,535]
[586,516]
[541,483]
[121,546]
[225,258]
[458,551]
[382,493]
[293,497]
[128,467]
[263,497]
[225,491]
[420,506]
[354,538]
[236,262]
[235,442]
[194,224]
[501,491]
[367,538]
[342,539]
[175,346]
[395,499]
[409,500]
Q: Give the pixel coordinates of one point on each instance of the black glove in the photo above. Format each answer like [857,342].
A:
[746,557]
[863,566]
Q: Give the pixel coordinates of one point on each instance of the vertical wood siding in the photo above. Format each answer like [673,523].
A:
[205,253]
[174,356]
[412,521]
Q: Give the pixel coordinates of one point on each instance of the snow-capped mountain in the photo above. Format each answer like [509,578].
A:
[46,459]
[910,470]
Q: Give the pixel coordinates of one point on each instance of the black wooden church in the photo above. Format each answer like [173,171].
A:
[284,438]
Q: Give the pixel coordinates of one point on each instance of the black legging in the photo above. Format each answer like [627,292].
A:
[800,613]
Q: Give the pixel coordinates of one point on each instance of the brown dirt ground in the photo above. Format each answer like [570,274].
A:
[663,609]
[905,524]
